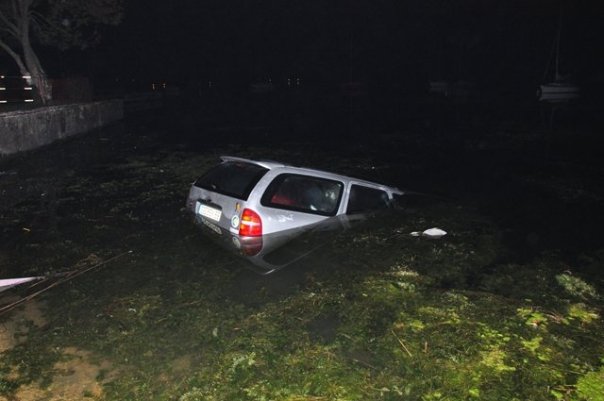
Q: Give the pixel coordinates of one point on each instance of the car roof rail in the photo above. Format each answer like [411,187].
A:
[269,164]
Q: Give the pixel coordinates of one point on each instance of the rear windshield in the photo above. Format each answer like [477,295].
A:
[235,179]
[304,194]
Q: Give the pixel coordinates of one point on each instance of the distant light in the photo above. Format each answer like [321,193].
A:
[26,77]
[3,101]
[28,100]
[2,89]
[28,88]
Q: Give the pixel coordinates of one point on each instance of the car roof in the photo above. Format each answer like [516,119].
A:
[273,165]
[269,164]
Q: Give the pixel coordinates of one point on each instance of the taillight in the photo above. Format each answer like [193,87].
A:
[251,249]
[251,224]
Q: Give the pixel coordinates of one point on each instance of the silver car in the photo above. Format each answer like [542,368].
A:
[249,198]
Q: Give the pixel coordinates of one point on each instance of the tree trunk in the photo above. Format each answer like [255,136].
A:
[38,76]
[17,25]
[15,57]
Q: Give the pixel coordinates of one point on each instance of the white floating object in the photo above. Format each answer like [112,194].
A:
[434,233]
[430,233]
[7,283]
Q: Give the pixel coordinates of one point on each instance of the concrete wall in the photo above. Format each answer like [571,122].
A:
[29,129]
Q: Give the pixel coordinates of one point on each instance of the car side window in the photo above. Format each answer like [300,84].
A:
[365,199]
[399,201]
[304,194]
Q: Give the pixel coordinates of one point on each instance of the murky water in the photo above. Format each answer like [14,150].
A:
[165,309]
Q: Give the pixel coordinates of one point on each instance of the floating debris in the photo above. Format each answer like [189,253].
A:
[52,281]
[430,233]
[7,283]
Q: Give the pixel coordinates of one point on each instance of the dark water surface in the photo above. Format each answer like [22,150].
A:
[522,205]
[540,187]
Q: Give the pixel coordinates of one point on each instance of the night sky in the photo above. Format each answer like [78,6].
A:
[496,44]
[382,42]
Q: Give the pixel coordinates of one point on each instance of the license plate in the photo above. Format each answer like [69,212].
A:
[209,212]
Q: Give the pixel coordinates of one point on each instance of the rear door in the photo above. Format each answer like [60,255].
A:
[294,200]
[224,190]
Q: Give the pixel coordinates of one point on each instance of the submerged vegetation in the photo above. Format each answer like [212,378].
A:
[376,315]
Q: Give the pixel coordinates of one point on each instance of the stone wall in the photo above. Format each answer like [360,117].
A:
[29,129]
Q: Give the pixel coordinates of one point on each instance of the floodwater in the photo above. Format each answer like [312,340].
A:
[158,307]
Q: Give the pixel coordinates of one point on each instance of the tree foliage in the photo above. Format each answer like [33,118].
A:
[60,23]
[73,23]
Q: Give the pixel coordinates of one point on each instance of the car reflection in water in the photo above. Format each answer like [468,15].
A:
[272,252]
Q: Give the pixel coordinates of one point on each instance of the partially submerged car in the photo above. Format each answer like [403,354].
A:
[248,200]
[272,252]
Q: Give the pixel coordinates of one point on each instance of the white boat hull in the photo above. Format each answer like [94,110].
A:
[558,92]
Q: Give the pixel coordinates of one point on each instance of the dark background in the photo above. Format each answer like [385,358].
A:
[389,43]
[359,63]
[503,47]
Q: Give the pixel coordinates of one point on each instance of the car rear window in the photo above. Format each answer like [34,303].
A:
[304,194]
[235,179]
